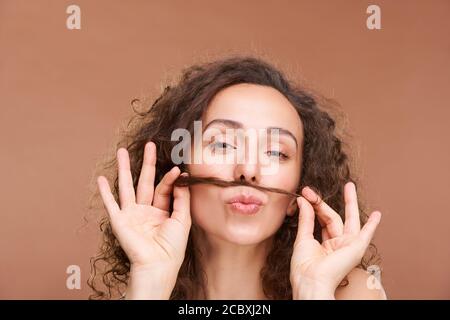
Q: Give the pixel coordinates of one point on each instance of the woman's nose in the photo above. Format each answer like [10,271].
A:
[247,167]
[247,172]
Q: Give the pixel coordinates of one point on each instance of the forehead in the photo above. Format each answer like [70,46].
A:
[256,107]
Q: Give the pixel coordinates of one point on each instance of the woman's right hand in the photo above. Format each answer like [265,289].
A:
[154,241]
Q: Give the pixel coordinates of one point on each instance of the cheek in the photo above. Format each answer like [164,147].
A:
[205,199]
[277,208]
[202,203]
[287,178]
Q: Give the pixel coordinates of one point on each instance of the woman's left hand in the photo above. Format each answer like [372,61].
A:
[317,269]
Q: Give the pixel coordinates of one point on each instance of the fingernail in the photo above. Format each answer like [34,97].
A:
[310,193]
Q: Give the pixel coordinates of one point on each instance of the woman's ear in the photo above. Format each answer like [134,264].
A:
[292,207]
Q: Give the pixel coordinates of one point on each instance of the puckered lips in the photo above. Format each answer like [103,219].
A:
[245,203]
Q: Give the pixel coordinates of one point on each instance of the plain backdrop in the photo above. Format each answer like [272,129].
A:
[64,94]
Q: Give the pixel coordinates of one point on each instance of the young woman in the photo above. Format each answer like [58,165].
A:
[204,241]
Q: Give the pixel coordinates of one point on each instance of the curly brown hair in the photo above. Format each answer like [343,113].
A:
[325,168]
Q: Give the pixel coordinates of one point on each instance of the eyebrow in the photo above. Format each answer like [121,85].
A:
[236,125]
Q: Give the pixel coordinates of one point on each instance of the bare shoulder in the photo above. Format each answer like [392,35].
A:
[361,286]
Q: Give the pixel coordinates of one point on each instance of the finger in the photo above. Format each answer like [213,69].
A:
[126,188]
[352,222]
[108,199]
[306,220]
[325,235]
[146,182]
[343,261]
[347,257]
[182,206]
[325,213]
[163,191]
[368,230]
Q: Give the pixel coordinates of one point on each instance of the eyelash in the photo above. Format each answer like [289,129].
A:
[221,144]
[282,155]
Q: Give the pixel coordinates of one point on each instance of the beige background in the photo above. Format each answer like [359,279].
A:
[63,94]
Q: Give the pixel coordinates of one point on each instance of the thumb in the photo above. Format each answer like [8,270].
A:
[306,220]
[182,205]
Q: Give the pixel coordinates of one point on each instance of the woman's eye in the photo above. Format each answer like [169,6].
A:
[221,145]
[278,154]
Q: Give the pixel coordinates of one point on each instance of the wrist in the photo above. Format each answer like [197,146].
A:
[313,294]
[149,283]
[313,291]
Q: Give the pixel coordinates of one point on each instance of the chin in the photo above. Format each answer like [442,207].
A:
[243,235]
[238,229]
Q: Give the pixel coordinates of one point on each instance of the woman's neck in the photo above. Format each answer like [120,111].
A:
[232,270]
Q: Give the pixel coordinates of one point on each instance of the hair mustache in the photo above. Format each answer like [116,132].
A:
[183,181]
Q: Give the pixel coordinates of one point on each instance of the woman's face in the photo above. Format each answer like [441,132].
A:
[267,160]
